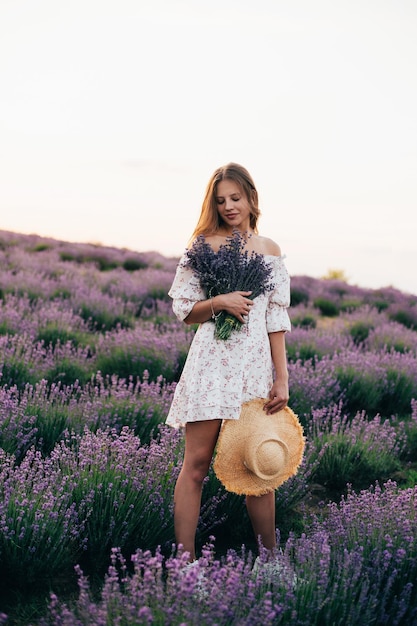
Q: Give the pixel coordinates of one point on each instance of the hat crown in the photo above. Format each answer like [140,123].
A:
[265,457]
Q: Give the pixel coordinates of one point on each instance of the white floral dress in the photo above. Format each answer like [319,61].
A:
[221,374]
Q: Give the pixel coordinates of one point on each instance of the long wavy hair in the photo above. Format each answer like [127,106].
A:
[210,221]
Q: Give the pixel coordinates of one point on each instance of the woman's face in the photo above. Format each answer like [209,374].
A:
[233,205]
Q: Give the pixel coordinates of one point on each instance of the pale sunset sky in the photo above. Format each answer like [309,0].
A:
[115,113]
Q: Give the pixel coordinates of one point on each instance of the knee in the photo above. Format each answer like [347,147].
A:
[197,471]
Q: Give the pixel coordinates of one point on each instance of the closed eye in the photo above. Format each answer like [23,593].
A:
[222,200]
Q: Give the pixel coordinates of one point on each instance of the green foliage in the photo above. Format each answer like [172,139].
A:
[304,321]
[326,307]
[37,545]
[161,321]
[359,390]
[102,262]
[406,317]
[158,293]
[411,478]
[67,256]
[149,302]
[141,416]
[229,519]
[16,372]
[133,264]
[303,351]
[32,295]
[17,435]
[62,294]
[103,319]
[359,463]
[41,247]
[397,346]
[68,371]
[53,333]
[387,397]
[107,522]
[410,427]
[359,331]
[132,362]
[116,491]
[350,304]
[5,330]
[122,362]
[398,394]
[299,296]
[51,422]
[380,305]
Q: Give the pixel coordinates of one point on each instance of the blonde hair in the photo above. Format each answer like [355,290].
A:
[210,220]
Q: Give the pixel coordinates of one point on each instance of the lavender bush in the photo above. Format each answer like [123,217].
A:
[159,351]
[89,355]
[309,343]
[391,336]
[313,384]
[93,491]
[40,527]
[24,361]
[39,415]
[122,490]
[356,450]
[410,426]
[382,382]
[357,565]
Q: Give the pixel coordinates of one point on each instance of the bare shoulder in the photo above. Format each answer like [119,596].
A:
[267,246]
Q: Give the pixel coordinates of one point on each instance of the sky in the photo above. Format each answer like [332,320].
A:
[115,113]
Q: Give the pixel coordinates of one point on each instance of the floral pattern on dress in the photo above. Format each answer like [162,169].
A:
[219,375]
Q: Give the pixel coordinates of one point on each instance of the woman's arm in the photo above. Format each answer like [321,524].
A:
[237,303]
[279,393]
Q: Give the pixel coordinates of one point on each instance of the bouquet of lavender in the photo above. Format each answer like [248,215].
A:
[230,269]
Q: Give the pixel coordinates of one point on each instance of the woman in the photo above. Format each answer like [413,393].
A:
[220,375]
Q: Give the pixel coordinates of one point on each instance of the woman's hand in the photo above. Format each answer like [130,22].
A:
[278,397]
[237,303]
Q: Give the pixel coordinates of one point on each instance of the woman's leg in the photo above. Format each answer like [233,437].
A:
[261,510]
[200,441]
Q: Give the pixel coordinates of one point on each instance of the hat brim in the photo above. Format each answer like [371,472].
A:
[228,464]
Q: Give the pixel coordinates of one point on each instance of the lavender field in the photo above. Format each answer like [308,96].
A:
[90,353]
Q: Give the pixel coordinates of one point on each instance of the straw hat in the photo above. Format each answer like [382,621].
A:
[258,452]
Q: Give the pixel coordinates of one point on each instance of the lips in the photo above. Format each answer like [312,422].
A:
[230,216]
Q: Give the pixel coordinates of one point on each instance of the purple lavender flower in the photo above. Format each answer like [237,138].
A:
[232,268]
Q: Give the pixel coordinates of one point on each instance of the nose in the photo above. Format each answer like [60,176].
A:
[229,204]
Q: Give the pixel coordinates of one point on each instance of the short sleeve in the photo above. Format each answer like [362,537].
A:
[277,318]
[185,291]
